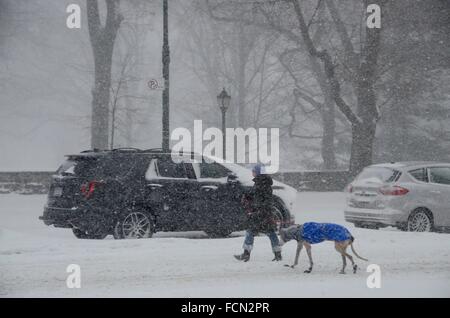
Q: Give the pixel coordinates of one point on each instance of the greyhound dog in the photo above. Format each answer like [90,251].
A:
[313,233]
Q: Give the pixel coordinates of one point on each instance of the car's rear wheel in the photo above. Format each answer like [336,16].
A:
[420,221]
[134,225]
[83,235]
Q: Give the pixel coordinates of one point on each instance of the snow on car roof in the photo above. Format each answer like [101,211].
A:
[409,164]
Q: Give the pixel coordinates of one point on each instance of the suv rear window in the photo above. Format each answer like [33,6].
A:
[380,173]
[79,167]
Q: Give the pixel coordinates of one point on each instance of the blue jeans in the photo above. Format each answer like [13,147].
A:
[250,237]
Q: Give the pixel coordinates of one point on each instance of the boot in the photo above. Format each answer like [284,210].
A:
[244,256]
[277,256]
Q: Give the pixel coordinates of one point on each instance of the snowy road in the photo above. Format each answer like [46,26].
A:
[34,258]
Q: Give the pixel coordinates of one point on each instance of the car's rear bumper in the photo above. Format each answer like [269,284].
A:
[78,217]
[60,217]
[370,216]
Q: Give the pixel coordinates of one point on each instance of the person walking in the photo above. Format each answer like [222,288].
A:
[258,204]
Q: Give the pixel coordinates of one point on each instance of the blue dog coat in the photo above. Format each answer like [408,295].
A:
[314,233]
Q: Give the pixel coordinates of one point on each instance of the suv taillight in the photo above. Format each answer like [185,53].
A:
[87,189]
[393,190]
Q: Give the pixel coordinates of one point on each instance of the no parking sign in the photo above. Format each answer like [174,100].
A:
[156,84]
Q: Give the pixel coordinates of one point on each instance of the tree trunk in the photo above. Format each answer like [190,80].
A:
[128,117]
[329,129]
[242,57]
[328,117]
[100,103]
[364,131]
[363,136]
[102,42]
[328,113]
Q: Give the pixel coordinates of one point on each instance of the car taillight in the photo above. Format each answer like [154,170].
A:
[393,190]
[87,189]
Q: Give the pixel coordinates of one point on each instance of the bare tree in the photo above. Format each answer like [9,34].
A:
[362,65]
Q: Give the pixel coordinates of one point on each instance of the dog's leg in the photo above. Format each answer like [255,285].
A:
[344,264]
[308,250]
[354,266]
[339,249]
[297,253]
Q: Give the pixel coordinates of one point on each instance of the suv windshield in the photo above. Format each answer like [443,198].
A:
[379,174]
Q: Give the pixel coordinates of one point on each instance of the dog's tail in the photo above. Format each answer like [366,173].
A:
[354,252]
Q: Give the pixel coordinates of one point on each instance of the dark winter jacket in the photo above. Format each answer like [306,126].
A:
[314,233]
[259,205]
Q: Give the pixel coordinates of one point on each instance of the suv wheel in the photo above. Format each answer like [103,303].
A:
[278,217]
[88,236]
[420,221]
[134,225]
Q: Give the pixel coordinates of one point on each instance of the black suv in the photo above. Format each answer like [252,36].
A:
[132,193]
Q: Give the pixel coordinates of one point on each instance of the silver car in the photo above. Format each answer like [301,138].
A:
[412,196]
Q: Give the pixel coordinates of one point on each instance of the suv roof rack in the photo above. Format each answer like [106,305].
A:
[126,149]
[91,150]
[156,150]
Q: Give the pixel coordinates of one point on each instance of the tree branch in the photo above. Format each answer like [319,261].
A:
[93,19]
[352,58]
[113,19]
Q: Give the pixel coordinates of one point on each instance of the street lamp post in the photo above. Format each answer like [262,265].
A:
[223,100]
[166,62]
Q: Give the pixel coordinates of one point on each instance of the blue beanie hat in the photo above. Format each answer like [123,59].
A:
[258,169]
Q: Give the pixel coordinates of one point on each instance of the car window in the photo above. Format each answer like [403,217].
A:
[378,173]
[213,170]
[419,174]
[80,167]
[67,168]
[151,171]
[440,175]
[189,170]
[170,169]
[119,167]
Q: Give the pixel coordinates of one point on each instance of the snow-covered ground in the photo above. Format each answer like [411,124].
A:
[34,259]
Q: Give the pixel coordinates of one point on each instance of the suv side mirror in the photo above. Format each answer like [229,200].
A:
[232,178]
